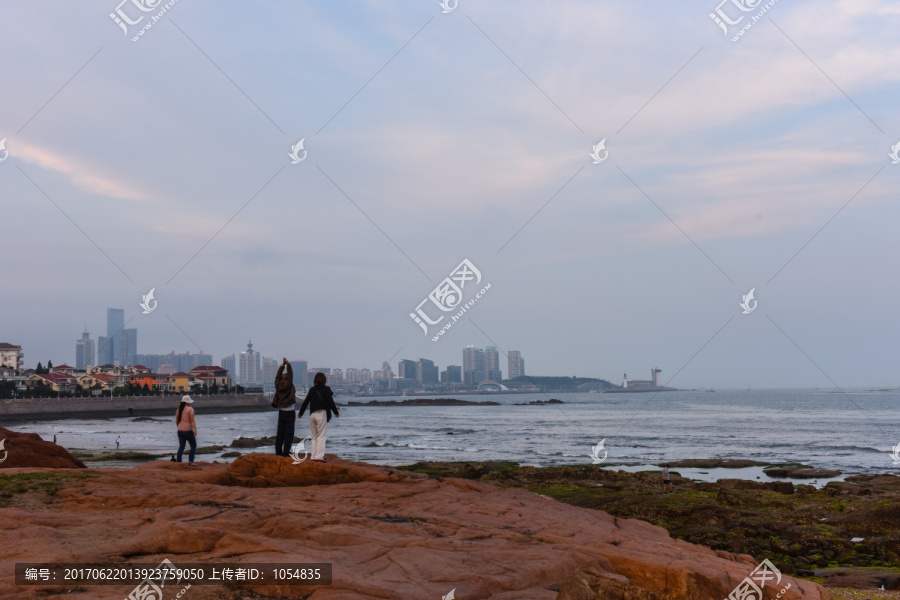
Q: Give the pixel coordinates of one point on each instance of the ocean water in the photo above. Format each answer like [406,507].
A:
[853,432]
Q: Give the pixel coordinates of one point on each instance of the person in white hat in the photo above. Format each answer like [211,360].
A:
[187,428]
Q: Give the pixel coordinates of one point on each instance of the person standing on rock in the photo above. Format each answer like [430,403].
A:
[187,428]
[320,400]
[286,403]
[666,482]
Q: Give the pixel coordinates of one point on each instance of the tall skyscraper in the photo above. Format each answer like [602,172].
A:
[84,351]
[492,363]
[229,363]
[300,368]
[516,364]
[473,365]
[115,333]
[104,351]
[129,347]
[406,369]
[250,366]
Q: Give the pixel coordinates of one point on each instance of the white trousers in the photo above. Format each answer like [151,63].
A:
[317,422]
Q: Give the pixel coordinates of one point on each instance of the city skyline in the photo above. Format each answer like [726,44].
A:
[621,178]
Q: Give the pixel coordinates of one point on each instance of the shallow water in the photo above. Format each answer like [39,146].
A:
[852,432]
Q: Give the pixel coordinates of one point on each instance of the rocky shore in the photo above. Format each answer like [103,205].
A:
[388,533]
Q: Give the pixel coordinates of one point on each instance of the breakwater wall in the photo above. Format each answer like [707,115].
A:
[43,409]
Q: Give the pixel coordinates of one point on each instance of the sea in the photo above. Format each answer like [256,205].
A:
[854,432]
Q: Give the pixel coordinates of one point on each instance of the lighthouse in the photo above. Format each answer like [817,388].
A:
[625,381]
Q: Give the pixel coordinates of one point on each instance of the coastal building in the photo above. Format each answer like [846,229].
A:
[213,376]
[129,347]
[180,383]
[250,366]
[104,350]
[426,372]
[11,356]
[365,376]
[452,374]
[269,370]
[115,334]
[406,369]
[300,367]
[179,362]
[58,382]
[492,363]
[516,364]
[473,365]
[98,382]
[154,382]
[336,376]
[228,363]
[84,351]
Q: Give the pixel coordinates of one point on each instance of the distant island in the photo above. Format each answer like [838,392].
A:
[422,402]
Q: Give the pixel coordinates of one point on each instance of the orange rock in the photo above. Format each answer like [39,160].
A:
[29,450]
[388,534]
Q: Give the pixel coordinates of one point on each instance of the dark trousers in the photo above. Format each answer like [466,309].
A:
[183,437]
[284,437]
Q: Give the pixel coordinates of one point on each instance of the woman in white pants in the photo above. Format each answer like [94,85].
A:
[320,400]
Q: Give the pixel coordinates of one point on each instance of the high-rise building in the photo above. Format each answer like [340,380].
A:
[492,363]
[365,376]
[426,372]
[115,333]
[129,347]
[473,365]
[300,367]
[453,374]
[250,366]
[84,351]
[516,364]
[406,369]
[104,351]
[351,375]
[336,376]
[228,363]
[269,370]
[181,363]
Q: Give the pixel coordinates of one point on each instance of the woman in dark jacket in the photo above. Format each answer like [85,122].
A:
[286,404]
[320,400]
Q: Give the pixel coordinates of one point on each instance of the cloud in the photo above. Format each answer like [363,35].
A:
[83,175]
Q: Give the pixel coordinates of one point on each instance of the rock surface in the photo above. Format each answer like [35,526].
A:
[29,450]
[389,534]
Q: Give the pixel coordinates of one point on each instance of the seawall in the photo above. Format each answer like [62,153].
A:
[42,409]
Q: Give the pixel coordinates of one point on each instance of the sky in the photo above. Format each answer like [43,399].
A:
[433,137]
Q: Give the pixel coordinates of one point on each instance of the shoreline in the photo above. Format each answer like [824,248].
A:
[52,409]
